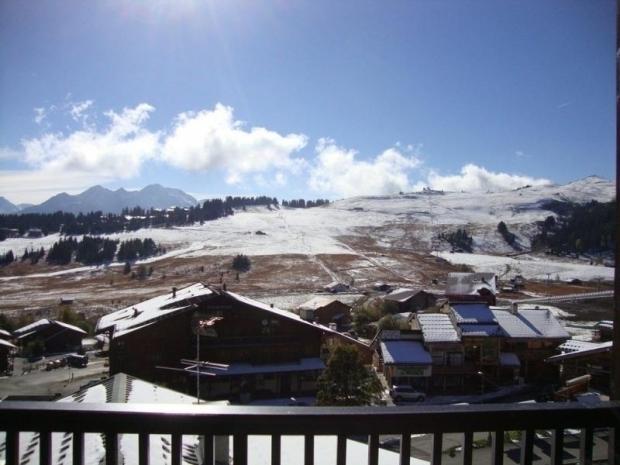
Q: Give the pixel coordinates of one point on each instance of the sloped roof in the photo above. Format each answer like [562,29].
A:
[5,333]
[477,313]
[595,348]
[470,283]
[120,388]
[7,344]
[526,324]
[481,330]
[437,327]
[318,302]
[43,323]
[573,345]
[405,352]
[544,322]
[402,294]
[143,313]
[150,311]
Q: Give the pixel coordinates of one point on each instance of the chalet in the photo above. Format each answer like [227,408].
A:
[578,358]
[381,287]
[7,351]
[471,345]
[9,232]
[406,361]
[232,344]
[472,287]
[54,336]
[533,335]
[409,300]
[326,310]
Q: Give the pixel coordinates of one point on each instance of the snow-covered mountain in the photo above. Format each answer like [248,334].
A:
[7,207]
[99,198]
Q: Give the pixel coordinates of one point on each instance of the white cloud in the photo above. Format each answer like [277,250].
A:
[39,114]
[213,139]
[117,151]
[77,110]
[337,170]
[473,178]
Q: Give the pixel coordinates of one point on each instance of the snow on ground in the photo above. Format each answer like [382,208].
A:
[531,267]
[408,220]
[292,301]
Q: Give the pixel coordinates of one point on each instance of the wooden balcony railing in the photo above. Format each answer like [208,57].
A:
[241,421]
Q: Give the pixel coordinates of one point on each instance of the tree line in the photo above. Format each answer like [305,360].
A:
[89,251]
[579,228]
[132,219]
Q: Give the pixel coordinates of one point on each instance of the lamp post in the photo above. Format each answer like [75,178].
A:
[198,363]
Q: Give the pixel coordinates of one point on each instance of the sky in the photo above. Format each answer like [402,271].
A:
[312,99]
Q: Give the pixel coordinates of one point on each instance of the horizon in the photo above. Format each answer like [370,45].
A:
[310,100]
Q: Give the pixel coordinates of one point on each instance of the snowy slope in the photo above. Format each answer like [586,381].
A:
[407,222]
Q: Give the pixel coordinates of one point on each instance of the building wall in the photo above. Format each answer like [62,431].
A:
[325,315]
[56,339]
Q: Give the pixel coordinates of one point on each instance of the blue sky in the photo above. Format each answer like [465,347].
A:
[306,98]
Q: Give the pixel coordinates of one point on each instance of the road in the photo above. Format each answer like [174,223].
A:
[32,379]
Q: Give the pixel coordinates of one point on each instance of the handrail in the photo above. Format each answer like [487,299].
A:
[230,420]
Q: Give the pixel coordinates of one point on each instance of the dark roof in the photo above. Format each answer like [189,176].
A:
[477,313]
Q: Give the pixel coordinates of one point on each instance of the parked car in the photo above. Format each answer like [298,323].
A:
[404,392]
[77,361]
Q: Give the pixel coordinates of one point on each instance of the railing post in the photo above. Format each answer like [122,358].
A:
[468,447]
[373,449]
[557,447]
[613,452]
[341,453]
[78,448]
[240,449]
[276,453]
[308,449]
[12,448]
[143,449]
[586,445]
[45,448]
[111,448]
[497,447]
[177,439]
[208,449]
[405,449]
[437,446]
[527,447]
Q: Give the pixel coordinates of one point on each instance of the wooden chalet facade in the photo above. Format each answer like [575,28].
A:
[54,336]
[409,300]
[244,347]
[325,311]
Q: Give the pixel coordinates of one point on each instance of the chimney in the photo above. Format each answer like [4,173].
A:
[271,305]
[174,292]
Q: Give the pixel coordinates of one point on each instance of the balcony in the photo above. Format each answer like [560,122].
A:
[239,422]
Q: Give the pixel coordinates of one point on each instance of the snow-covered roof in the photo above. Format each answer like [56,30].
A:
[40,324]
[509,359]
[141,314]
[7,344]
[405,352]
[318,302]
[574,344]
[514,326]
[544,322]
[530,324]
[473,313]
[234,369]
[150,311]
[401,294]
[470,283]
[481,330]
[593,348]
[5,333]
[437,327]
[119,388]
